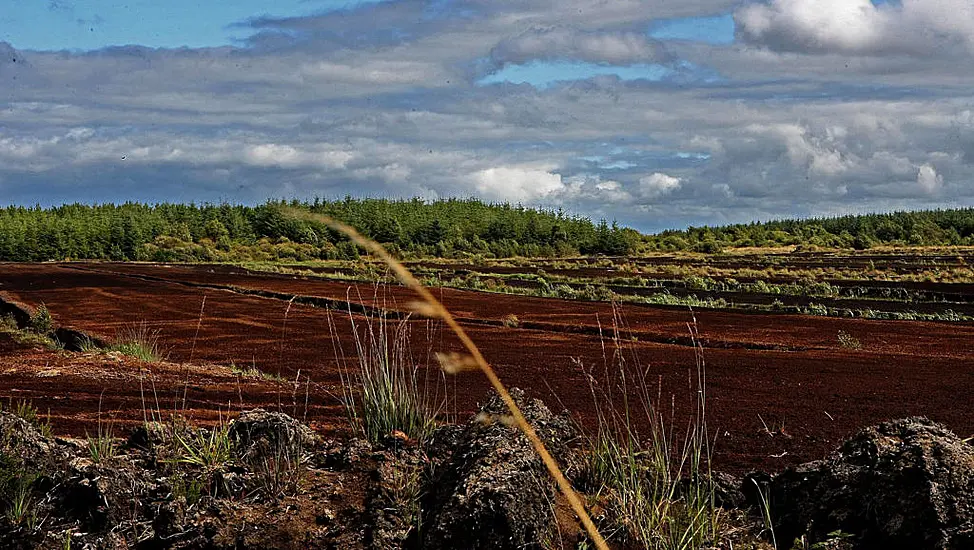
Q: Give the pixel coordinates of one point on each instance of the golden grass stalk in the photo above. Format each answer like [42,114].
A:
[432,307]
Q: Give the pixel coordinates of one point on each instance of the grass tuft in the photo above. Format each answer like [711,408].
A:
[210,449]
[41,321]
[657,489]
[101,446]
[138,341]
[848,341]
[390,397]
[25,409]
[28,336]
[254,372]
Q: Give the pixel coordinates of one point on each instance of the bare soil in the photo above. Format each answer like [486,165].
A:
[780,389]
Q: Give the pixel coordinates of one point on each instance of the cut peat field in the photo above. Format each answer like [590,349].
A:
[781,389]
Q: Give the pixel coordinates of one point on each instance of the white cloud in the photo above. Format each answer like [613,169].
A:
[517,183]
[928,179]
[658,184]
[813,113]
[591,189]
[917,27]
[288,156]
[377,72]
[571,43]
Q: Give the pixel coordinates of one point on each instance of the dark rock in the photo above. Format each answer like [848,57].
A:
[20,315]
[902,484]
[728,490]
[148,436]
[342,455]
[494,492]
[393,499]
[261,433]
[19,438]
[101,495]
[76,340]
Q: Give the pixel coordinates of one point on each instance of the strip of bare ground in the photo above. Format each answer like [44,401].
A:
[661,324]
[397,311]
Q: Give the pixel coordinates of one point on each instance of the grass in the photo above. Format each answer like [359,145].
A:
[25,409]
[279,472]
[28,336]
[254,372]
[627,282]
[17,477]
[430,307]
[210,449]
[138,341]
[383,394]
[657,489]
[190,488]
[21,508]
[41,321]
[765,510]
[101,446]
[848,341]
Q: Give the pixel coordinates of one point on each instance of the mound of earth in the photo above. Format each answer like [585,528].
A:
[902,484]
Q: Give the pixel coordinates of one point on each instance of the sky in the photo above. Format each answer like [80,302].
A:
[655,113]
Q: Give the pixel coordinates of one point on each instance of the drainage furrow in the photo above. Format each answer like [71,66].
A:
[366,309]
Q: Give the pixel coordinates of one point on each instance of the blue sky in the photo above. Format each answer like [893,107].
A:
[92,24]
[656,113]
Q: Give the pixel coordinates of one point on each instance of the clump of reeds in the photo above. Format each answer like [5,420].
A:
[138,341]
[656,488]
[429,306]
[390,398]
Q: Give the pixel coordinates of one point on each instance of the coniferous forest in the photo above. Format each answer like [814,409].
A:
[452,228]
[859,232]
[181,232]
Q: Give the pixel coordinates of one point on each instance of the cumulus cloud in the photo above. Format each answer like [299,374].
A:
[928,179]
[571,43]
[658,184]
[916,27]
[517,183]
[591,191]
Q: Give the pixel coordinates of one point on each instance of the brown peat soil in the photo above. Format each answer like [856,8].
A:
[780,389]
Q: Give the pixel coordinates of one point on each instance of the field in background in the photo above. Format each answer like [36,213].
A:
[912,284]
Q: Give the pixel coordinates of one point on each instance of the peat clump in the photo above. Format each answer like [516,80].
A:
[902,484]
[490,490]
[262,433]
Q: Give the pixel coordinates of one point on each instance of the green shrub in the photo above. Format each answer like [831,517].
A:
[41,321]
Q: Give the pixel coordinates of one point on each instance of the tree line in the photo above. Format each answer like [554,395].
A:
[920,228]
[226,232]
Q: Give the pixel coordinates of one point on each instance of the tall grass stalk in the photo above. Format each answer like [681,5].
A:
[21,509]
[765,509]
[431,307]
[101,446]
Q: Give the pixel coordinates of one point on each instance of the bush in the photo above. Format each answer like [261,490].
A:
[41,321]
